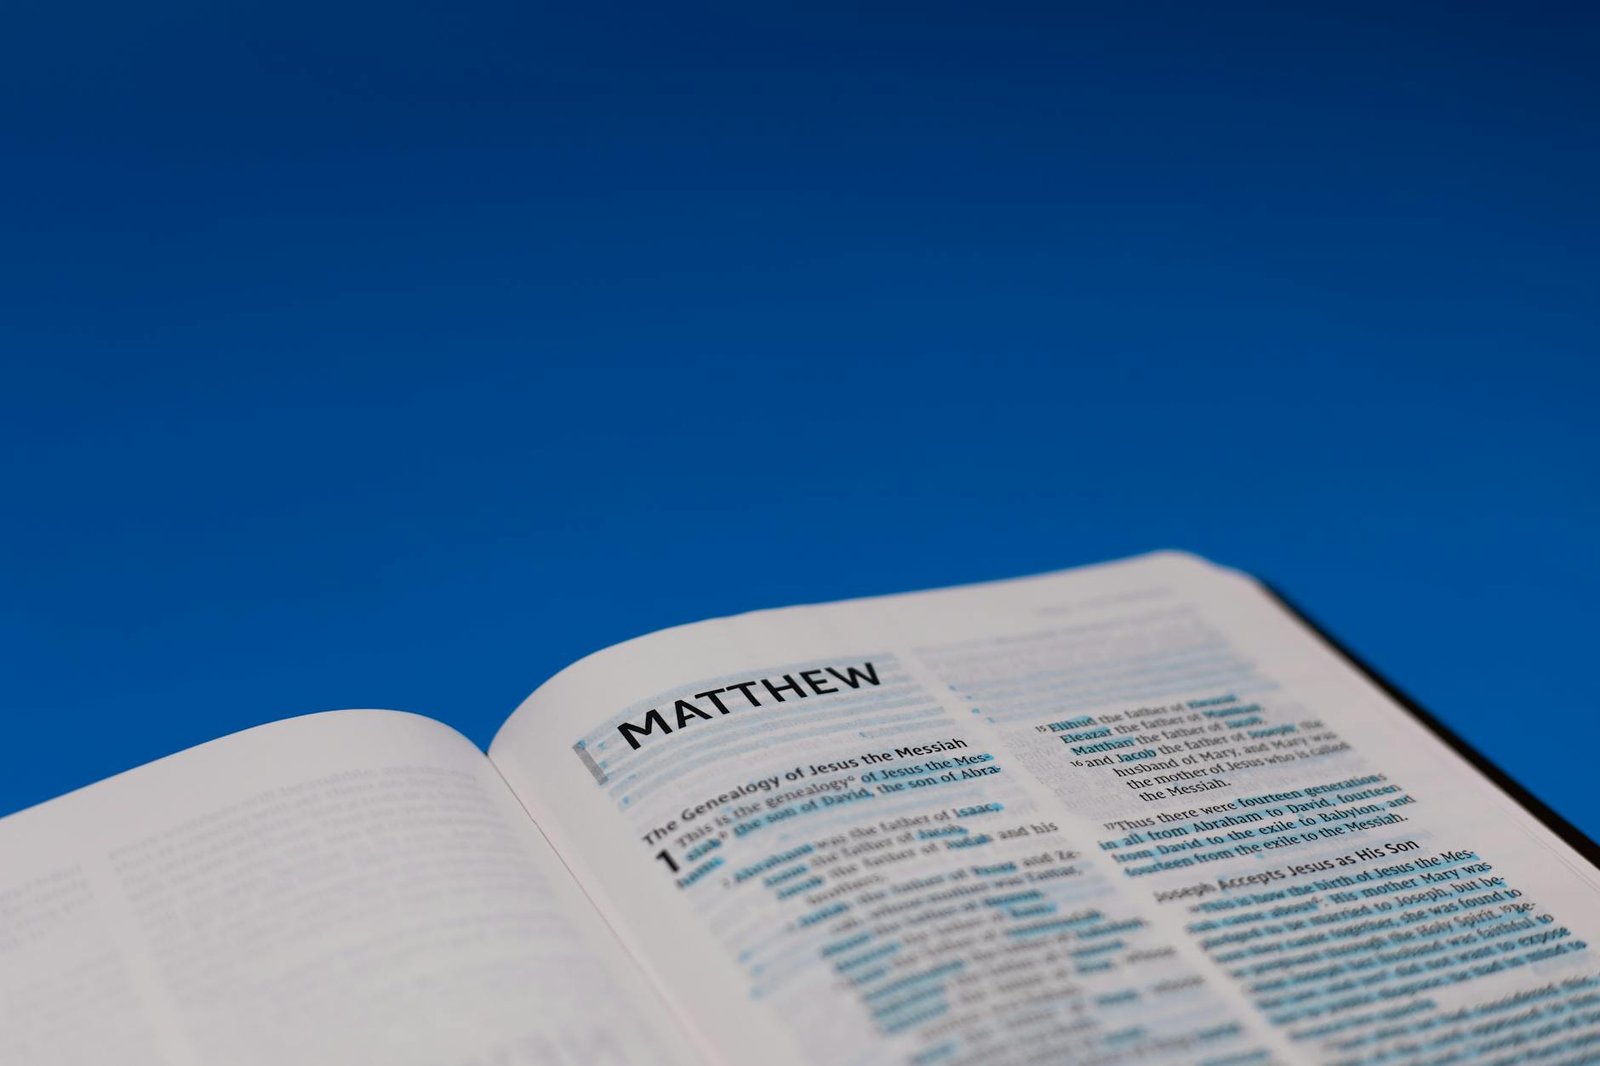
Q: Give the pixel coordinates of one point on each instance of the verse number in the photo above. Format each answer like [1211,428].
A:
[666,858]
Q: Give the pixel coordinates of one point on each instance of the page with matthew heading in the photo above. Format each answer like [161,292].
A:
[1135,812]
[356,887]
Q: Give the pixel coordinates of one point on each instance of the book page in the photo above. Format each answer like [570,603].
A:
[345,888]
[1133,813]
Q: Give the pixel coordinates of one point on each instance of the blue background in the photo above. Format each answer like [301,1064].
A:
[397,355]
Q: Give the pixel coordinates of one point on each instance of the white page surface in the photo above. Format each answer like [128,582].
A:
[345,888]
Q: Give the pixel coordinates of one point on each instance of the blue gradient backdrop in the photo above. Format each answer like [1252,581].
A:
[396,355]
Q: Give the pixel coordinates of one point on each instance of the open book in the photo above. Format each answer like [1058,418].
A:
[1138,812]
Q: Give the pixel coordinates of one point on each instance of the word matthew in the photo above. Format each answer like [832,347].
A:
[820,682]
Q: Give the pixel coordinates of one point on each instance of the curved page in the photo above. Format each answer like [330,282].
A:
[346,888]
[1133,813]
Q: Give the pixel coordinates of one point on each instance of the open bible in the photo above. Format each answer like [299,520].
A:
[1138,812]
